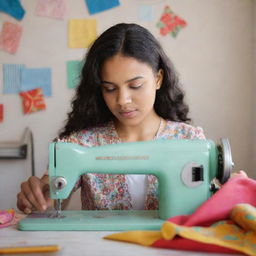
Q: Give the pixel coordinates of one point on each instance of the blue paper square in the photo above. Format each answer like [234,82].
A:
[32,78]
[13,8]
[146,13]
[12,78]
[96,6]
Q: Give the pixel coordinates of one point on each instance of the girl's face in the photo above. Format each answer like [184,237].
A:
[129,89]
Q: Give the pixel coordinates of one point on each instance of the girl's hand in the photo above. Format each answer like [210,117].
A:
[34,195]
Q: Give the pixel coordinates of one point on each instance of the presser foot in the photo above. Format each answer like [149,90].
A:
[57,214]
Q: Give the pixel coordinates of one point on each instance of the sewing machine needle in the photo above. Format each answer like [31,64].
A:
[58,207]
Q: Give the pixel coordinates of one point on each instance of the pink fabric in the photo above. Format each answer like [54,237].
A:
[6,217]
[51,8]
[9,217]
[10,37]
[239,189]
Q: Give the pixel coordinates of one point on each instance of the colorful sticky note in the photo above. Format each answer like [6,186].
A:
[51,8]
[1,113]
[95,6]
[32,78]
[10,37]
[146,12]
[73,72]
[12,78]
[82,32]
[13,8]
[33,101]
[170,23]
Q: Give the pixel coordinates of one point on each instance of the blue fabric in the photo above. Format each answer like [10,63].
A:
[12,78]
[32,78]
[13,8]
[95,6]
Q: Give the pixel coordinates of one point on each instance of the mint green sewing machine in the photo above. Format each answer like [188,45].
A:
[185,170]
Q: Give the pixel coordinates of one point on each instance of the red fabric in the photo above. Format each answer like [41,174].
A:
[238,189]
[1,113]
[33,100]
[170,22]
[179,243]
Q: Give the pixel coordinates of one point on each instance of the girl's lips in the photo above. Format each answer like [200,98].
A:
[128,114]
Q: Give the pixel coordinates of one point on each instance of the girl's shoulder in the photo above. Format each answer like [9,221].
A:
[181,130]
[96,136]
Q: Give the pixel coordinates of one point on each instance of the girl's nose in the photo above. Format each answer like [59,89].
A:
[123,98]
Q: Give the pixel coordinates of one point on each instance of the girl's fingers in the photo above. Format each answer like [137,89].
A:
[27,190]
[23,204]
[36,187]
[30,197]
[34,195]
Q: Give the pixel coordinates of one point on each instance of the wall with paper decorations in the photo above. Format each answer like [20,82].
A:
[41,53]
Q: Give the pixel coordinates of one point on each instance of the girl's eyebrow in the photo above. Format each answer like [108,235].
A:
[127,81]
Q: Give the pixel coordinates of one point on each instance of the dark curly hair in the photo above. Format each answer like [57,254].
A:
[88,106]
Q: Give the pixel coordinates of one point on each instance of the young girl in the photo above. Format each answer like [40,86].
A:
[128,92]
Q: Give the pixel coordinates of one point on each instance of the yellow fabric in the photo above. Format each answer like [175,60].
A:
[82,32]
[244,216]
[238,233]
[146,238]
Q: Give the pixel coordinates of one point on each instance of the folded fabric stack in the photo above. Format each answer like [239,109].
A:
[225,223]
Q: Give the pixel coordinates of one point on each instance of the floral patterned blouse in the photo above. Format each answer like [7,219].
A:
[110,191]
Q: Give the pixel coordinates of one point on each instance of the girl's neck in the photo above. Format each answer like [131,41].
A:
[147,130]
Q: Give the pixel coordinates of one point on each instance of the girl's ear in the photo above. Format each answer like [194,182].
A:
[159,78]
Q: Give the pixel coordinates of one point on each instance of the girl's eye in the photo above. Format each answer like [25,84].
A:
[136,86]
[109,89]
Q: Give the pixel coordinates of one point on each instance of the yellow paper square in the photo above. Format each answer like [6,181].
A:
[82,32]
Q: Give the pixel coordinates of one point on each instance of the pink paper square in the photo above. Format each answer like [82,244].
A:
[51,8]
[10,37]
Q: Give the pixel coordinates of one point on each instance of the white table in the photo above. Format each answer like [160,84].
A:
[84,243]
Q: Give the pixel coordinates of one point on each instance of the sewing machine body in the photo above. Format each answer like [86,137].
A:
[165,159]
[184,168]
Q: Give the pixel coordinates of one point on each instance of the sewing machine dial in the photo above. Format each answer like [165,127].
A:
[225,162]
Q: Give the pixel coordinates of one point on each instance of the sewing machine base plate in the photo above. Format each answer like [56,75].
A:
[93,221]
